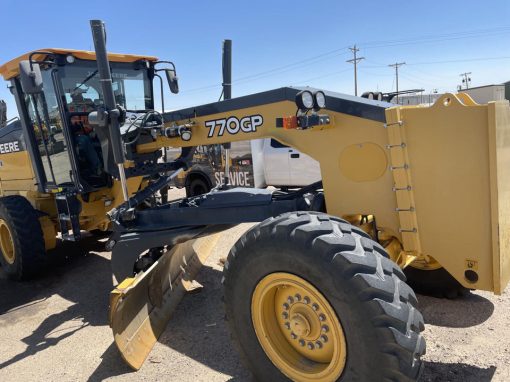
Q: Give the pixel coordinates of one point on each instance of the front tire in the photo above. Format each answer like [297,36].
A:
[21,238]
[372,324]
[197,186]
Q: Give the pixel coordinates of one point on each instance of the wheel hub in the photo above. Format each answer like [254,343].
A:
[300,325]
[298,328]
[303,323]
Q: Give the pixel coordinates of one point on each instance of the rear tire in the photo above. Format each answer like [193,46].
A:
[366,291]
[22,239]
[436,283]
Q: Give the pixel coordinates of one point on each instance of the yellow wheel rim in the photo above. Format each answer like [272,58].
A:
[6,243]
[298,328]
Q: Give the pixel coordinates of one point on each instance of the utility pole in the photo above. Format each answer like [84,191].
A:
[466,80]
[396,65]
[355,61]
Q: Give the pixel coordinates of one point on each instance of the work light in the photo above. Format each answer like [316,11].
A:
[320,101]
[304,100]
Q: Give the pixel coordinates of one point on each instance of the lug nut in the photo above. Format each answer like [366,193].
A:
[298,297]
[315,307]
[285,315]
[306,300]
[325,328]
[290,300]
[287,325]
[322,317]
[318,344]
[293,336]
[310,346]
[302,342]
[324,338]
[286,306]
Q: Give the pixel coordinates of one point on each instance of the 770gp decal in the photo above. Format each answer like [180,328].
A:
[233,125]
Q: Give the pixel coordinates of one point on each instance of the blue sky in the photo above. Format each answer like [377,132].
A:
[279,43]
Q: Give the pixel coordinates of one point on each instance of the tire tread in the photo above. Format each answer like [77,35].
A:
[380,282]
[26,231]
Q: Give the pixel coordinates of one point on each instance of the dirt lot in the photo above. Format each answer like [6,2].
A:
[55,328]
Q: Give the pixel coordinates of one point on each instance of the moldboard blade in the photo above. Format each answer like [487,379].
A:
[140,307]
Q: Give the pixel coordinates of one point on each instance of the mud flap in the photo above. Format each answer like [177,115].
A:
[140,307]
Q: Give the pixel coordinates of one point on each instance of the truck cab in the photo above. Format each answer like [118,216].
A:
[258,163]
[284,166]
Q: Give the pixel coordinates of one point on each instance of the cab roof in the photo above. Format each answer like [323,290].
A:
[11,68]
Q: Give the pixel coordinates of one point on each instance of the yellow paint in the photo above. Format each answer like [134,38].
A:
[363,162]
[460,186]
[93,215]
[498,121]
[49,232]
[11,68]
[16,173]
[447,195]
[401,171]
[298,328]
[140,307]
[444,194]
[6,243]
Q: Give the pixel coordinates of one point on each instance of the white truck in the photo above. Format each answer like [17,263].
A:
[258,163]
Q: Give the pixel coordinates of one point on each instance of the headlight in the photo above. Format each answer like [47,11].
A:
[320,100]
[304,100]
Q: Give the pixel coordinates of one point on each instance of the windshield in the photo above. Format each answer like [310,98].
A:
[79,88]
[83,93]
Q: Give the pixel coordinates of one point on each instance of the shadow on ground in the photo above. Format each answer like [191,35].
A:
[198,329]
[462,312]
[75,272]
[456,372]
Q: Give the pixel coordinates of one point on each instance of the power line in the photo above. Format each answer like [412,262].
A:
[444,61]
[461,60]
[396,65]
[323,76]
[374,44]
[278,70]
[355,61]
[437,37]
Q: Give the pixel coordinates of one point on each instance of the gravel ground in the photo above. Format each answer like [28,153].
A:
[55,328]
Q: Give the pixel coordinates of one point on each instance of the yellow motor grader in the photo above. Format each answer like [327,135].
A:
[316,291]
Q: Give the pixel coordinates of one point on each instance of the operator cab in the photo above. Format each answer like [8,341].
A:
[65,149]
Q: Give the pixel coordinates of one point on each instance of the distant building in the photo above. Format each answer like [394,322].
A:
[480,94]
[421,98]
[487,93]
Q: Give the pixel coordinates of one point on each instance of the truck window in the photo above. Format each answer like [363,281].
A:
[276,144]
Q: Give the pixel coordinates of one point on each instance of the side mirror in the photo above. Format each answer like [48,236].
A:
[31,77]
[173,82]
